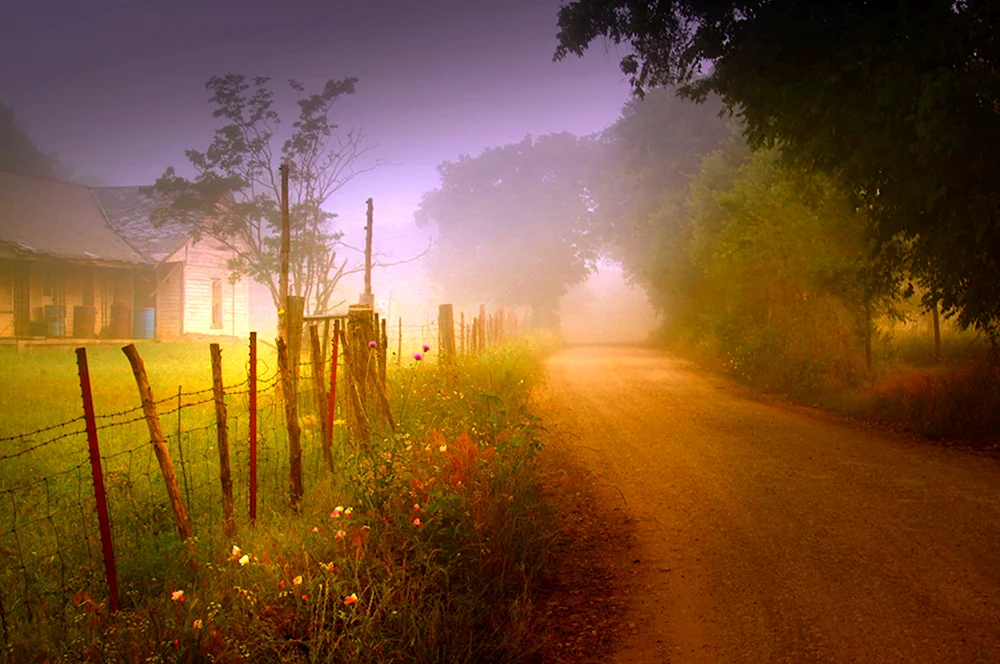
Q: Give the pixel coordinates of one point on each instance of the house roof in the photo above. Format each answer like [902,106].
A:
[57,219]
[128,211]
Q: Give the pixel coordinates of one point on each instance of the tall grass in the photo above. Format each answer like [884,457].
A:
[425,546]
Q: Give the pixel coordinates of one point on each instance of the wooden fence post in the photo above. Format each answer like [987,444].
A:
[399,346]
[159,445]
[100,495]
[383,353]
[296,309]
[356,418]
[222,437]
[482,327]
[446,325]
[290,396]
[253,427]
[332,408]
[319,395]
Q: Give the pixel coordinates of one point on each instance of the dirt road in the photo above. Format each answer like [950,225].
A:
[768,534]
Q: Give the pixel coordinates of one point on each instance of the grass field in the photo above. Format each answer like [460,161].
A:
[426,546]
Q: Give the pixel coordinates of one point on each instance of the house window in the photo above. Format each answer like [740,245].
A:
[217,304]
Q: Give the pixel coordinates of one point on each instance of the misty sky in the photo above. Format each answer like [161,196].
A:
[116,87]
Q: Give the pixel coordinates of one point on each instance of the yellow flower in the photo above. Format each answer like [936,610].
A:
[177,596]
[297,581]
[236,551]
[197,624]
[245,560]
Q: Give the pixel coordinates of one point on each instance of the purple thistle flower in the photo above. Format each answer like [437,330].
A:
[426,348]
[373,344]
[418,357]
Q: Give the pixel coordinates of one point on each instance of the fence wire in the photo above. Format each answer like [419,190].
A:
[50,550]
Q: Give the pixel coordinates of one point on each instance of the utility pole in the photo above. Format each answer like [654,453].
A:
[367,298]
[285,242]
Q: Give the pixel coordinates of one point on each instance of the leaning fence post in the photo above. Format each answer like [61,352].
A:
[159,445]
[253,427]
[399,345]
[100,495]
[222,429]
[292,419]
[319,394]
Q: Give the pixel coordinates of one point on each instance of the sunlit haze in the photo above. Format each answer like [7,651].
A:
[116,90]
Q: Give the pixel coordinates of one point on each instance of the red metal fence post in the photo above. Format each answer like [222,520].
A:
[253,427]
[95,468]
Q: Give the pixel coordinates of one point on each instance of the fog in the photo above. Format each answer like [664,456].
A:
[606,309]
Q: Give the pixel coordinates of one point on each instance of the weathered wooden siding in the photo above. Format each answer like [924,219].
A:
[170,281]
[6,299]
[204,261]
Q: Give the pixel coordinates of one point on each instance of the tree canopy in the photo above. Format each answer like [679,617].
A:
[514,223]
[900,102]
[19,154]
[235,196]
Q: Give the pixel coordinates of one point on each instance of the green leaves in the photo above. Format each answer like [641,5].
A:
[896,101]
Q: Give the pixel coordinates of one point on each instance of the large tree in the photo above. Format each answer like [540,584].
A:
[900,101]
[648,156]
[514,223]
[235,196]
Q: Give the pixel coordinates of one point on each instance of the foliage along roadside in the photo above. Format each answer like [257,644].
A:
[428,547]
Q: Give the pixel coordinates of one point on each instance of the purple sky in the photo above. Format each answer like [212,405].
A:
[116,87]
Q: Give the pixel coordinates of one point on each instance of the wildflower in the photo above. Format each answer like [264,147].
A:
[416,506]
[297,581]
[337,511]
[340,535]
[197,624]
[315,529]
[281,584]
[426,348]
[305,598]
[236,551]
[417,522]
[373,344]
[443,448]
[418,357]
[177,596]
[348,512]
[245,560]
[351,599]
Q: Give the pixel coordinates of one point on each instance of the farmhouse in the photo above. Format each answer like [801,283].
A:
[84,262]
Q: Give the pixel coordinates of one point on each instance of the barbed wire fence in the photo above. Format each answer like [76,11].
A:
[52,555]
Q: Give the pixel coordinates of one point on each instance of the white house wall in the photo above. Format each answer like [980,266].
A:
[205,261]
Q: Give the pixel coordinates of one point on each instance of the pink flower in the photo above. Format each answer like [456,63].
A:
[373,344]
[340,535]
[426,348]
[177,596]
[418,357]
[337,511]
[417,522]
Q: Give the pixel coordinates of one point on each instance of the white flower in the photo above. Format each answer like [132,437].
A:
[245,560]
